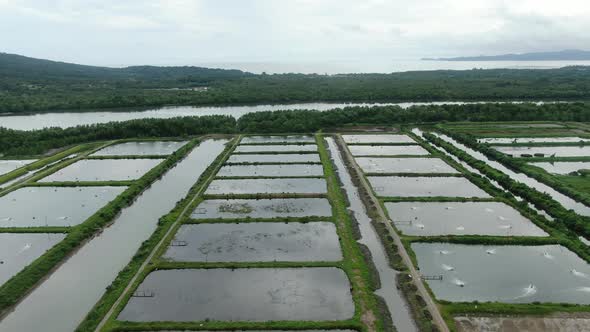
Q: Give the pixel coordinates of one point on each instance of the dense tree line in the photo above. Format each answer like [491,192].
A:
[32,85]
[14,142]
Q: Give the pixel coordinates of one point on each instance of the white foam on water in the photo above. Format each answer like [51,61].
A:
[491,251]
[25,248]
[448,267]
[489,210]
[444,252]
[459,283]
[584,289]
[505,226]
[528,291]
[460,228]
[547,255]
[421,226]
[578,273]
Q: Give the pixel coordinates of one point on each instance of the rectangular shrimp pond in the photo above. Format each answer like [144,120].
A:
[564,167]
[267,186]
[387,150]
[295,170]
[53,206]
[425,186]
[277,139]
[275,148]
[274,158]
[7,166]
[404,165]
[147,148]
[377,139]
[511,274]
[256,294]
[103,170]
[456,218]
[255,242]
[545,151]
[18,250]
[510,140]
[263,208]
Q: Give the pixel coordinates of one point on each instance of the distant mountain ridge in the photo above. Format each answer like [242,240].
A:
[565,55]
[22,67]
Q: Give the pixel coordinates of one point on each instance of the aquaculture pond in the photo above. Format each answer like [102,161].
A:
[525,140]
[274,158]
[513,274]
[53,206]
[276,148]
[277,139]
[562,167]
[387,150]
[404,165]
[267,186]
[145,148]
[546,151]
[103,170]
[409,186]
[263,208]
[294,170]
[57,304]
[256,242]
[377,139]
[7,166]
[456,218]
[264,294]
[17,250]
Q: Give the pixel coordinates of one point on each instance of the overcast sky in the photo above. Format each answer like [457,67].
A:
[171,32]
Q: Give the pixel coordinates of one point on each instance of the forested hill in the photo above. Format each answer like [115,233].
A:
[33,85]
[17,67]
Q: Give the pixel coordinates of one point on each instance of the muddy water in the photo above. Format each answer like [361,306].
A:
[564,200]
[19,250]
[274,158]
[266,294]
[404,165]
[272,170]
[523,323]
[276,148]
[62,301]
[263,208]
[256,242]
[53,206]
[450,218]
[513,274]
[103,170]
[147,148]
[398,309]
[387,150]
[377,139]
[277,139]
[267,186]
[424,186]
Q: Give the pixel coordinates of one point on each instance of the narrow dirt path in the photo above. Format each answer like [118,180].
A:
[432,307]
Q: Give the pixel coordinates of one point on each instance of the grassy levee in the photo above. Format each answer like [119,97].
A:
[23,282]
[42,230]
[117,287]
[578,225]
[45,161]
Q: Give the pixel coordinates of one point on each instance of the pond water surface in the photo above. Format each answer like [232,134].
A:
[274,158]
[62,301]
[420,186]
[256,242]
[7,166]
[18,250]
[263,208]
[453,218]
[548,151]
[53,206]
[145,148]
[103,170]
[277,139]
[404,165]
[295,170]
[267,186]
[387,150]
[510,140]
[513,274]
[264,294]
[381,138]
[562,167]
[276,148]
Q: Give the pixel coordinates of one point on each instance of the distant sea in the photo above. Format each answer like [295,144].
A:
[371,66]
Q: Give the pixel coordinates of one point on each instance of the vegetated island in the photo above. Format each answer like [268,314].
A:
[564,55]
